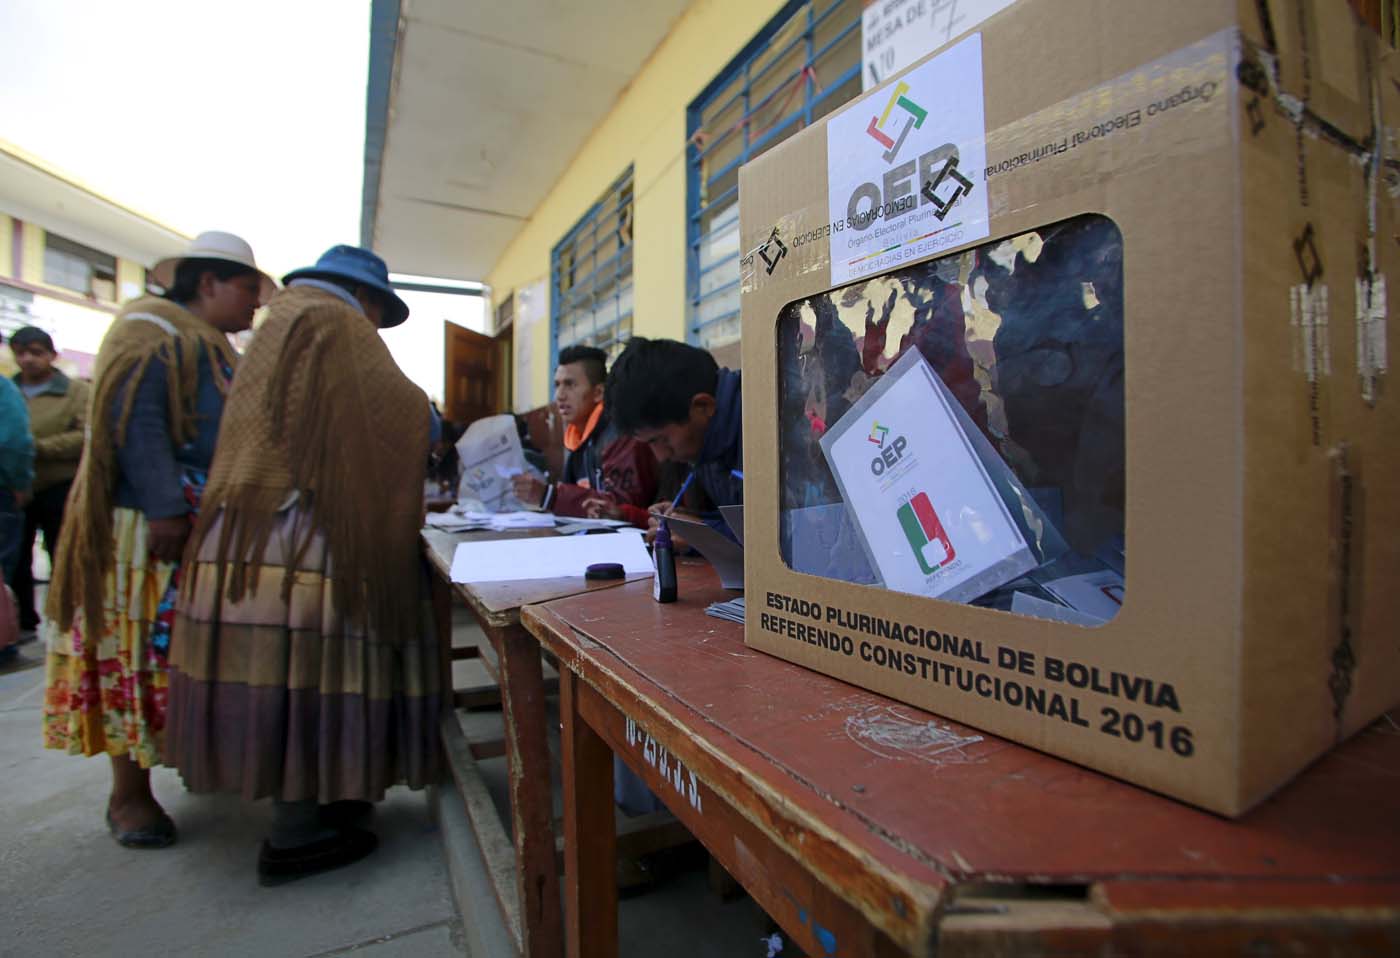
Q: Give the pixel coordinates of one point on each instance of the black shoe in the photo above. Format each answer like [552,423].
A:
[346,814]
[160,835]
[277,866]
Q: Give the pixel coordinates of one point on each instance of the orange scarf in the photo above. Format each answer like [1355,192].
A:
[575,437]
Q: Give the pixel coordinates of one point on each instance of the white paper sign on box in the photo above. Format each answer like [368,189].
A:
[905,172]
[929,514]
[895,33]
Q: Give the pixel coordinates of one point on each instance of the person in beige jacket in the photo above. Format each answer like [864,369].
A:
[57,418]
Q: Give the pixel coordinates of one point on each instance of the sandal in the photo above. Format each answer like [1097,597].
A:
[160,835]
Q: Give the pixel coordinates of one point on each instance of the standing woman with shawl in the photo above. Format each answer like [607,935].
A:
[162,374]
[303,664]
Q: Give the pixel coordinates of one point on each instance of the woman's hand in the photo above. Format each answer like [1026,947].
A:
[166,538]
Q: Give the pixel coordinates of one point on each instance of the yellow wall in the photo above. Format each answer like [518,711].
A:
[7,245]
[133,273]
[33,266]
[646,128]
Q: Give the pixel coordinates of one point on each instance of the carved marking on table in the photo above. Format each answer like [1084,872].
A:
[884,731]
[683,780]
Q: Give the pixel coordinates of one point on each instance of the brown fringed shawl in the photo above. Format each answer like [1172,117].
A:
[320,408]
[146,329]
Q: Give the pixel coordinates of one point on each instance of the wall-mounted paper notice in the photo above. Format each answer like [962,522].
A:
[928,512]
[552,557]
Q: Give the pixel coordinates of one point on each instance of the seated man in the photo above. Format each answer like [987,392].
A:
[677,400]
[604,467]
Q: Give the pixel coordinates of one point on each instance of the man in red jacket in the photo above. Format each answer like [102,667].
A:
[603,466]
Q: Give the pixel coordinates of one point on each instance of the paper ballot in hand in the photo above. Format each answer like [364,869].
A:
[491,455]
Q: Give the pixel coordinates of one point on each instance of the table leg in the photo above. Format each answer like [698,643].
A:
[590,834]
[440,592]
[532,819]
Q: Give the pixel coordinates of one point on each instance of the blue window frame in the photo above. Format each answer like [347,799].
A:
[591,276]
[801,66]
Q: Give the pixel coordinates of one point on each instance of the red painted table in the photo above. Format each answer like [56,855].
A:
[866,827]
[523,870]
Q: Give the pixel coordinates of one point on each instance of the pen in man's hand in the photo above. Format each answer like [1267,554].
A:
[685,486]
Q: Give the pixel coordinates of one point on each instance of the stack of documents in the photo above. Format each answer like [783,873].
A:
[731,611]
[501,521]
[571,526]
[454,521]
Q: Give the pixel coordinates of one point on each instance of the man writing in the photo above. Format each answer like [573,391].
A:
[674,398]
[605,471]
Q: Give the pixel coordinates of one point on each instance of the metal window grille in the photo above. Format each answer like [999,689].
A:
[801,66]
[591,273]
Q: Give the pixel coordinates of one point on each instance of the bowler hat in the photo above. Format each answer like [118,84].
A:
[361,266]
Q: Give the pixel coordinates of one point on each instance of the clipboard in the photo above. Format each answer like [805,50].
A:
[722,552]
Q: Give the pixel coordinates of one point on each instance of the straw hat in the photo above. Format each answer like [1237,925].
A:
[214,244]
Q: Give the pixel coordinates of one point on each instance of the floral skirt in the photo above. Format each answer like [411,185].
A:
[278,695]
[107,687]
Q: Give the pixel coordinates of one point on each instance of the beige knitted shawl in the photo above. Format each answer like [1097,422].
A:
[320,408]
[147,328]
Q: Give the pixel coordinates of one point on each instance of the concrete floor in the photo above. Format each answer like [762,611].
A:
[679,917]
[67,889]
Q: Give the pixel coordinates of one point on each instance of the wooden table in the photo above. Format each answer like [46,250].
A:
[868,828]
[526,882]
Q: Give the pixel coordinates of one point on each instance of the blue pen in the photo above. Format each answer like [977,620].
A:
[737,474]
[685,486]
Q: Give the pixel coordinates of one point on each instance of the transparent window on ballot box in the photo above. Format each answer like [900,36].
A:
[955,427]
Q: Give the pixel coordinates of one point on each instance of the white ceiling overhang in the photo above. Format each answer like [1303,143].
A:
[478,108]
[31,190]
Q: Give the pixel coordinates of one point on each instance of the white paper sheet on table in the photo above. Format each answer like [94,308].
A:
[451,522]
[731,611]
[552,557]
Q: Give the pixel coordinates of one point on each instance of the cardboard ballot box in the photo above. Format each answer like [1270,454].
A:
[1067,410]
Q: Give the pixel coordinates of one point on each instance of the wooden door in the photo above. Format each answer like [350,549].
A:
[505,362]
[473,367]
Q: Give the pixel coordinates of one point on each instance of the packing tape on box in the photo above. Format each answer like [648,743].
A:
[1371,352]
